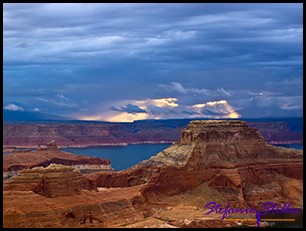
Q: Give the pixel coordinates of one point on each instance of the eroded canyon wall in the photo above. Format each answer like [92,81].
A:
[88,134]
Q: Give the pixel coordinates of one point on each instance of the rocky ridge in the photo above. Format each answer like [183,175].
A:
[93,134]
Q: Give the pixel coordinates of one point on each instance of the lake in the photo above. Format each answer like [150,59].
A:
[123,157]
[296,146]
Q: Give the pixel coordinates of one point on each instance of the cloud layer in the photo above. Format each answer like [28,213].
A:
[95,60]
[13,107]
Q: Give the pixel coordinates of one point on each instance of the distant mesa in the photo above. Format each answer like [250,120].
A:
[83,134]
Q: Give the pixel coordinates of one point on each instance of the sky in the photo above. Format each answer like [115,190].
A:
[125,62]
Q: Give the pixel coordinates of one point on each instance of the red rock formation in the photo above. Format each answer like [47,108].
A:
[107,208]
[223,160]
[228,155]
[89,134]
[52,181]
[50,154]
[277,132]
[79,135]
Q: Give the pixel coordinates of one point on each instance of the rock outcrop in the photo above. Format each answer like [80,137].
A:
[49,146]
[48,154]
[52,181]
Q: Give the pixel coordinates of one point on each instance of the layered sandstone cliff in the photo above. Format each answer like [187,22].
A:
[87,134]
[109,208]
[90,134]
[226,155]
[221,161]
[52,181]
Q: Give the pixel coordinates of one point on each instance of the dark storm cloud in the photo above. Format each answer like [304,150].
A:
[155,110]
[101,54]
[130,108]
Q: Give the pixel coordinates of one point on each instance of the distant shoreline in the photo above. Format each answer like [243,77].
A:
[94,145]
[286,142]
[132,143]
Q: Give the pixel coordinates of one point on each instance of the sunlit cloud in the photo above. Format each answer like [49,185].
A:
[216,109]
[166,108]
[162,102]
[90,118]
[166,102]
[127,117]
[234,115]
[130,110]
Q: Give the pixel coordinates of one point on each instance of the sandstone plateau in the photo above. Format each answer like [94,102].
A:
[221,161]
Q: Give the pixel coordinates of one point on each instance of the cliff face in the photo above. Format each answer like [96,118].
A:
[52,181]
[109,208]
[226,155]
[60,196]
[277,132]
[32,135]
[221,161]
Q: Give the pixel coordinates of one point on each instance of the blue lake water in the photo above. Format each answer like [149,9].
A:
[296,146]
[121,157]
